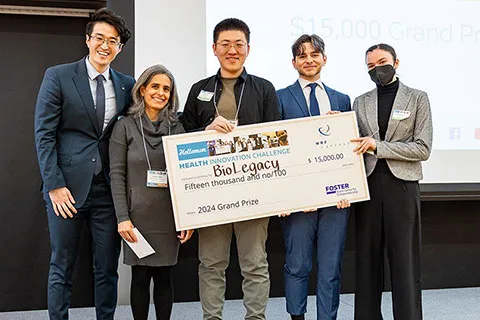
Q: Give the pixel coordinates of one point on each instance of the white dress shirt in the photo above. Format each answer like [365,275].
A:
[320,93]
[110,103]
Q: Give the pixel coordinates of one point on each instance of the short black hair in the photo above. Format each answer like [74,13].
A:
[107,16]
[385,47]
[231,24]
[317,43]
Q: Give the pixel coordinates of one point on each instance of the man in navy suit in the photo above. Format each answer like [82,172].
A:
[77,106]
[323,228]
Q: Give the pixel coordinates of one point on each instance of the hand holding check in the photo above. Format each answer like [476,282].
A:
[366,144]
[221,124]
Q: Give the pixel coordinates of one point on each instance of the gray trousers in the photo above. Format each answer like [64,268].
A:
[214,254]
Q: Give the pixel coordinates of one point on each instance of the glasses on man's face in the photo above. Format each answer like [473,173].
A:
[102,40]
[238,46]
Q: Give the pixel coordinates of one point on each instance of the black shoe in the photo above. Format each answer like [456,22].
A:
[299,317]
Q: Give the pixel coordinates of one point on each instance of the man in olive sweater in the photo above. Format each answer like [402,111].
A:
[229,98]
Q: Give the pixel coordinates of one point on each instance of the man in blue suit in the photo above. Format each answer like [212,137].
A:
[323,228]
[77,106]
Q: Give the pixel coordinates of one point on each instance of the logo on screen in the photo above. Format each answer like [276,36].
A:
[477,133]
[454,133]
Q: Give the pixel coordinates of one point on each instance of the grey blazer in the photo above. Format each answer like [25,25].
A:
[407,141]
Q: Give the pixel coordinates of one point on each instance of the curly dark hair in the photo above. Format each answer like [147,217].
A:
[316,41]
[107,16]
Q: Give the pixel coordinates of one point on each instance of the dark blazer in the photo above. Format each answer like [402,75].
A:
[67,138]
[292,102]
[259,102]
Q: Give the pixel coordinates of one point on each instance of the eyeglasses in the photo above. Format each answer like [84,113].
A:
[238,46]
[109,42]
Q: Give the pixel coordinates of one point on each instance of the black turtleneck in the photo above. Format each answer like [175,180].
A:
[386,96]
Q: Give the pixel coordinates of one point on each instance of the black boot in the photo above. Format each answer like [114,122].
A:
[299,317]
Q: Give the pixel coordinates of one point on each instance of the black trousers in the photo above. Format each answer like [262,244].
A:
[391,220]
[162,291]
[99,215]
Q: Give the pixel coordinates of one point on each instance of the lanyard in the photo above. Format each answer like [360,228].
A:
[145,145]
[239,100]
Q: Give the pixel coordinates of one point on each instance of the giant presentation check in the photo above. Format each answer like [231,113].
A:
[264,169]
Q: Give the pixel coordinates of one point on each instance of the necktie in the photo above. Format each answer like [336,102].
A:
[100,107]
[314,108]
[100,112]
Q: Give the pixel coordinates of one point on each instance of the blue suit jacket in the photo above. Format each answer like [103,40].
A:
[67,137]
[292,102]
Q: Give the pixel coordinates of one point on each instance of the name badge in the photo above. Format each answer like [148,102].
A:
[205,95]
[157,179]
[400,114]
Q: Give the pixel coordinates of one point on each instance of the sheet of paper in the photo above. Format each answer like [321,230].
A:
[141,248]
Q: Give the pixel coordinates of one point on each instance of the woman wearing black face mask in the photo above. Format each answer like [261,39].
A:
[395,124]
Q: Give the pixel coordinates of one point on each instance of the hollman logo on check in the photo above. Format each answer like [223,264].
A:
[193,150]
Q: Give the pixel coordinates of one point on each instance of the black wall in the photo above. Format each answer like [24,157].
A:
[451,241]
[29,45]
[125,62]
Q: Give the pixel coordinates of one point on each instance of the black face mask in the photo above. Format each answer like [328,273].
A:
[382,75]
